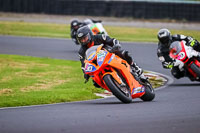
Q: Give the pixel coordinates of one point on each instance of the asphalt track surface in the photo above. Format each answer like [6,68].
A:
[175,109]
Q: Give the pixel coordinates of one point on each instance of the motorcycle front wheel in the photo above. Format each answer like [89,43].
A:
[122,93]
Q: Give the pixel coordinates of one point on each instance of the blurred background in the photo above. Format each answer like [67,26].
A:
[184,10]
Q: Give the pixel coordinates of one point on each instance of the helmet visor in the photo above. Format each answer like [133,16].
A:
[165,40]
[75,27]
[85,39]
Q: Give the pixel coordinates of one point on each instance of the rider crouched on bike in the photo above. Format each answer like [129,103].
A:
[76,24]
[87,40]
[165,40]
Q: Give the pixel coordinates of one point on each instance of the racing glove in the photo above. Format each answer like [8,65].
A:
[179,63]
[116,46]
[168,65]
[192,42]
[86,77]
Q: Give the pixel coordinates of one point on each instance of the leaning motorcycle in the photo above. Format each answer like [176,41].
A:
[186,58]
[113,73]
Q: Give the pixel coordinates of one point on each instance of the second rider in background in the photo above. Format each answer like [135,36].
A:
[165,40]
[76,24]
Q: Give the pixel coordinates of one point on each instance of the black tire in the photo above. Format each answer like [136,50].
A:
[115,89]
[149,93]
[196,69]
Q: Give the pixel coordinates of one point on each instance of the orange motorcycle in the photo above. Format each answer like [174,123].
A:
[113,73]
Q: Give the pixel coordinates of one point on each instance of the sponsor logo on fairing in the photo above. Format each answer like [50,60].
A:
[111,58]
[138,90]
[100,57]
[89,68]
[181,55]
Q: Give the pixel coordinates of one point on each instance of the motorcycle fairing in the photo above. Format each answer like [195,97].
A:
[197,63]
[90,68]
[95,29]
[139,91]
[114,75]
[92,55]
[181,54]
[111,58]
[101,56]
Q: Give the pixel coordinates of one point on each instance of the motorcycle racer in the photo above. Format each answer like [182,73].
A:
[76,24]
[165,39]
[87,40]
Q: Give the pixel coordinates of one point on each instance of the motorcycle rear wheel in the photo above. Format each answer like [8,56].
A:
[196,69]
[124,96]
[149,93]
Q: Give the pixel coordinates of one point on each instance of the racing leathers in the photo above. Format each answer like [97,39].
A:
[111,45]
[167,61]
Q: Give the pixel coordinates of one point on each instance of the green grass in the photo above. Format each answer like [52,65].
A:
[28,80]
[34,29]
[31,81]
[63,31]
[144,34]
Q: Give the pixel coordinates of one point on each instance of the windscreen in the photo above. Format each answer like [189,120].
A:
[175,47]
[91,52]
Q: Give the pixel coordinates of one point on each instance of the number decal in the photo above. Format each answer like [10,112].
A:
[181,55]
[100,57]
[89,68]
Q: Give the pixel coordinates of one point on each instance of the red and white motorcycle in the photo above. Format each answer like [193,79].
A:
[186,58]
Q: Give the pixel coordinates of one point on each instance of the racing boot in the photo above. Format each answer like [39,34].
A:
[137,72]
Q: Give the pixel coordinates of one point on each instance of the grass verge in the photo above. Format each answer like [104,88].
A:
[30,81]
[63,31]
